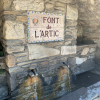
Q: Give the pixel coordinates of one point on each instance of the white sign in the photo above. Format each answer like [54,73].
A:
[45,27]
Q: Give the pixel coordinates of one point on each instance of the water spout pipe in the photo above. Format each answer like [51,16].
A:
[31,74]
[35,72]
[65,65]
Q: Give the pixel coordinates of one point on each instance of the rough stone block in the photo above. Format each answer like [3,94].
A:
[33,66]
[86,66]
[20,54]
[13,30]
[66,50]
[60,8]
[3,77]
[15,69]
[21,18]
[2,64]
[92,50]
[52,45]
[10,61]
[49,6]
[71,23]
[60,4]
[11,81]
[23,58]
[91,2]
[25,66]
[0,22]
[1,5]
[24,63]
[71,61]
[6,4]
[3,91]
[80,60]
[34,5]
[13,42]
[67,43]
[85,51]
[10,49]
[38,51]
[67,1]
[72,12]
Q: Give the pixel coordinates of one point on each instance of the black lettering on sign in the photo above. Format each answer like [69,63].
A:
[36,35]
[55,33]
[46,34]
[50,32]
[57,20]
[53,20]
[42,34]
[50,20]
[44,18]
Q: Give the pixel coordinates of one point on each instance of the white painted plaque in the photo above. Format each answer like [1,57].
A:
[45,27]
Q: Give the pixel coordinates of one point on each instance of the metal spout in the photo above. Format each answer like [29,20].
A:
[31,74]
[35,72]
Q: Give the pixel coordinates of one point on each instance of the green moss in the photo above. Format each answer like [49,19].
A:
[1,71]
[1,53]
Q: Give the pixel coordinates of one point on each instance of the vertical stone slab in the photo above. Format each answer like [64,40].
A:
[72,12]
[10,61]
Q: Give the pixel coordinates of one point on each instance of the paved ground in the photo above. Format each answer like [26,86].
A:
[88,88]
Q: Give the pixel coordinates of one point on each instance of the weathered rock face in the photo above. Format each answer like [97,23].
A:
[89,20]
[12,49]
[65,50]
[85,51]
[80,60]
[35,5]
[67,1]
[46,57]
[72,12]
[10,61]
[13,30]
[45,60]
[38,51]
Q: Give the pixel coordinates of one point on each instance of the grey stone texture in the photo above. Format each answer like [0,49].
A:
[3,91]
[44,58]
[13,30]
[89,21]
[38,51]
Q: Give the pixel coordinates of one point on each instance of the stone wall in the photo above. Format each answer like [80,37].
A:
[85,59]
[21,57]
[56,63]
[90,22]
